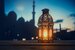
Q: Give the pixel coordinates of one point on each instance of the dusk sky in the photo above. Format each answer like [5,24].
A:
[59,9]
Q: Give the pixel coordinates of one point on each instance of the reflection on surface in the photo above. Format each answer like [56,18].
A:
[37,47]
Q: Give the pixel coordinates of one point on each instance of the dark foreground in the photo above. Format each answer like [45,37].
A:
[22,45]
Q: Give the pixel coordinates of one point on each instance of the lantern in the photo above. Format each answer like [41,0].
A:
[45,26]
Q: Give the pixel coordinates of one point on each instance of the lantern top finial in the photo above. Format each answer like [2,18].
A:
[45,11]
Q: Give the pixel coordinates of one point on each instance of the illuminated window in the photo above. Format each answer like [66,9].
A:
[45,34]
[50,33]
[40,33]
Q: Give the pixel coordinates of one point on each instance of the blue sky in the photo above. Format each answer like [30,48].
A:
[59,9]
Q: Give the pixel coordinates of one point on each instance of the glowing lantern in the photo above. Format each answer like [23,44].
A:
[45,26]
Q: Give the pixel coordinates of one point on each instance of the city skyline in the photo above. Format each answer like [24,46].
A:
[59,9]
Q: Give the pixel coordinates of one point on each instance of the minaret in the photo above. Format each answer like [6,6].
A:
[33,13]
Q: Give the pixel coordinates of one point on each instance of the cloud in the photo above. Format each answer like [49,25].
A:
[59,21]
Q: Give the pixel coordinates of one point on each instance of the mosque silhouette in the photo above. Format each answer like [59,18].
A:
[11,28]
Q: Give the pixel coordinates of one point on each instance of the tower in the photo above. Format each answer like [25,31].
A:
[45,26]
[33,13]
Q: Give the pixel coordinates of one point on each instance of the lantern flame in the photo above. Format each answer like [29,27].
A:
[45,34]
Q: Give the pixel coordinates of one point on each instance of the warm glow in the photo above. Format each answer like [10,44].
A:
[50,34]
[45,34]
[36,37]
[39,32]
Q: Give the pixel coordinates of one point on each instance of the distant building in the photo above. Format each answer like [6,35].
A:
[2,17]
[1,8]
